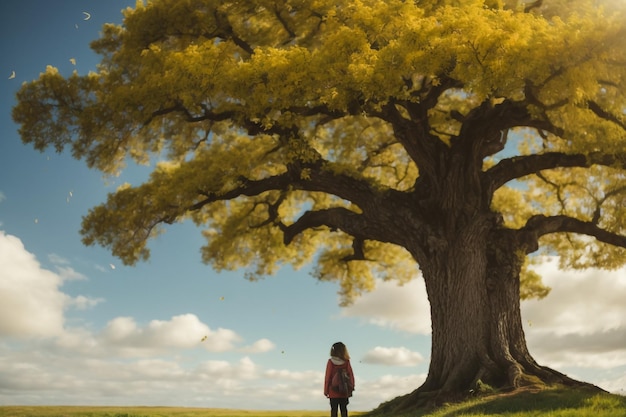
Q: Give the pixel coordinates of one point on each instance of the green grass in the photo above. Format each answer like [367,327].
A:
[545,403]
[54,411]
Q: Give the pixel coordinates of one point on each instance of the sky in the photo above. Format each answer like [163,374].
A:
[79,328]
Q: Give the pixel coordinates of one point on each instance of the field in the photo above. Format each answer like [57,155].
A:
[544,403]
[53,411]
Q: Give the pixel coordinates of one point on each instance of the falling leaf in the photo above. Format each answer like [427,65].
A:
[87,16]
[221,298]
[203,339]
[12,75]
[73,61]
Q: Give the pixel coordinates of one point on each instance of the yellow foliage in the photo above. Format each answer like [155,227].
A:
[265,110]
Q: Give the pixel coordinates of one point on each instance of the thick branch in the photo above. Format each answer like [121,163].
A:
[487,124]
[520,166]
[414,136]
[542,225]
[343,186]
[334,218]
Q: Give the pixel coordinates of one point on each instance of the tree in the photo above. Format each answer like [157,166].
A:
[371,138]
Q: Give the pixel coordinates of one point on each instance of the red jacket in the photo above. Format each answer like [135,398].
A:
[333,364]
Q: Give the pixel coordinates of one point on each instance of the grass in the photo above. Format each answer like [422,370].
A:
[561,402]
[71,411]
[541,403]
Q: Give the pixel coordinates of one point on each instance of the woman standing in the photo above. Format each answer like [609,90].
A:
[339,361]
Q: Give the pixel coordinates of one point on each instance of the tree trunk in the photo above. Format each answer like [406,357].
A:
[478,342]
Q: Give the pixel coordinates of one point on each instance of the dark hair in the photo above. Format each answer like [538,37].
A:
[339,350]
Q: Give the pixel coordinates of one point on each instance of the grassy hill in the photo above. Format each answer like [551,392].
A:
[547,402]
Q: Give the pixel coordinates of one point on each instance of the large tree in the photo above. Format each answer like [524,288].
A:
[368,137]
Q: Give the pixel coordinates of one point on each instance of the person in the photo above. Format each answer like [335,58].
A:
[339,358]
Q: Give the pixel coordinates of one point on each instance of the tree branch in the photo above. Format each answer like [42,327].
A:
[335,218]
[542,225]
[528,7]
[489,123]
[207,114]
[603,114]
[358,252]
[223,23]
[520,166]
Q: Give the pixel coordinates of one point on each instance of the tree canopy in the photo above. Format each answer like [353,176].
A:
[364,136]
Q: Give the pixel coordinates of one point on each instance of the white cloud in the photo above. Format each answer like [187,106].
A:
[260,346]
[583,302]
[616,384]
[401,307]
[180,332]
[286,374]
[582,322]
[31,304]
[66,273]
[245,369]
[82,302]
[393,356]
[385,388]
[57,259]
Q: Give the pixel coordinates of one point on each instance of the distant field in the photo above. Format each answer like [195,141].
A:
[53,411]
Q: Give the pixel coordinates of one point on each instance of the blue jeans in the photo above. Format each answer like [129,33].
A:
[342,404]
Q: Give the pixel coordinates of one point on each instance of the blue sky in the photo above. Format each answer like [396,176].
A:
[78,327]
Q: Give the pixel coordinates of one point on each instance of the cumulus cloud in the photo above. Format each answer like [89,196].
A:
[31,304]
[393,356]
[224,370]
[183,331]
[401,307]
[386,387]
[260,346]
[582,322]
